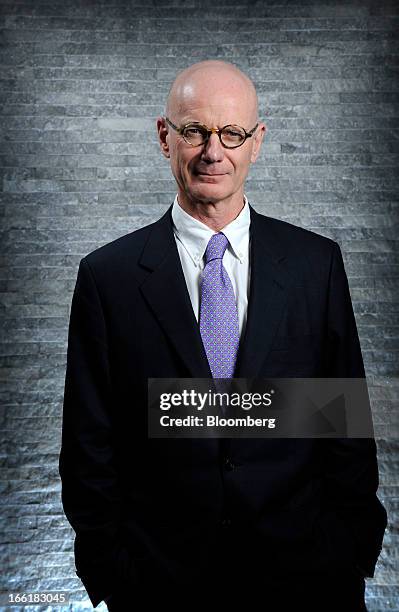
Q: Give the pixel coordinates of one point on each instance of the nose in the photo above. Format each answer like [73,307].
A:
[213,150]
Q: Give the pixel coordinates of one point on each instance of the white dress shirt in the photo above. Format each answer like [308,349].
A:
[192,237]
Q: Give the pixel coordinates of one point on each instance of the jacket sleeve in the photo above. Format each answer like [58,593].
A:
[90,490]
[350,464]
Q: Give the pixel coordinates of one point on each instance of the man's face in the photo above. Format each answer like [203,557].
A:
[211,172]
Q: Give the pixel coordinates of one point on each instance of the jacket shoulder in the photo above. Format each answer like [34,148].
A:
[294,239]
[117,251]
[307,257]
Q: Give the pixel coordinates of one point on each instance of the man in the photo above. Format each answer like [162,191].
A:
[294,521]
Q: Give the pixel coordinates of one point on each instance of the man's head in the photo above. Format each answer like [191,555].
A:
[215,94]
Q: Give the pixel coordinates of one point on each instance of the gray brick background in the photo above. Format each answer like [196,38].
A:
[82,83]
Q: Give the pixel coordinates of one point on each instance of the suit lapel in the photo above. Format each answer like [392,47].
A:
[267,297]
[166,293]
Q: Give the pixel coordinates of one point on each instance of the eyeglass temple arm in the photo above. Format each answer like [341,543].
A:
[173,125]
[251,133]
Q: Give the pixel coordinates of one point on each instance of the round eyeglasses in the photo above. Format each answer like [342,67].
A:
[196,134]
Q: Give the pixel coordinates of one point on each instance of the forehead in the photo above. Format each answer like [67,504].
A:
[214,102]
[212,116]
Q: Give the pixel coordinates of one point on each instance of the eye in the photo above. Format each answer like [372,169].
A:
[195,134]
[193,131]
[233,133]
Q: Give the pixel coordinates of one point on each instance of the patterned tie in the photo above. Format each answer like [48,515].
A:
[218,313]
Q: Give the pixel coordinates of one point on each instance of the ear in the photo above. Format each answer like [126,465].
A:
[257,141]
[163,136]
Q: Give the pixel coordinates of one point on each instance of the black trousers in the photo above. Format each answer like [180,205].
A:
[340,592]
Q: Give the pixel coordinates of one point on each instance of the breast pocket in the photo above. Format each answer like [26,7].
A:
[301,349]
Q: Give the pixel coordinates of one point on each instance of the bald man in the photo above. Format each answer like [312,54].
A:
[213,290]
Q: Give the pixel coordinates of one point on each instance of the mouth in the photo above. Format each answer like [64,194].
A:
[211,175]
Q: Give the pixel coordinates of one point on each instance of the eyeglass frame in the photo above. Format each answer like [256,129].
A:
[210,131]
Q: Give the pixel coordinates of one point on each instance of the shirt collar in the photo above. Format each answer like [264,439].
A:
[195,235]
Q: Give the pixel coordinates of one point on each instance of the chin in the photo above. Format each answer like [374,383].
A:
[210,198]
[210,193]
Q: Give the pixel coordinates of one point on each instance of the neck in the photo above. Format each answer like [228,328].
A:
[216,215]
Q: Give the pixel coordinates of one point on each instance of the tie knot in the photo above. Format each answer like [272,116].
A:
[216,247]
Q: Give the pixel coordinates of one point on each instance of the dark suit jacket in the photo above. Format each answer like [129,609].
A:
[146,510]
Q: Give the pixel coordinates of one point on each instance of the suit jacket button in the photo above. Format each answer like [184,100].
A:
[229,465]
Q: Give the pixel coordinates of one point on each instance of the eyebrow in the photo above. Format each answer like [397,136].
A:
[186,121]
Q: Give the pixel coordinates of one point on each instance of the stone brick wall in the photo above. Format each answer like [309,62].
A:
[82,83]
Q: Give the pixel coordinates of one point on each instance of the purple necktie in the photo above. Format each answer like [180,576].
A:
[218,312]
